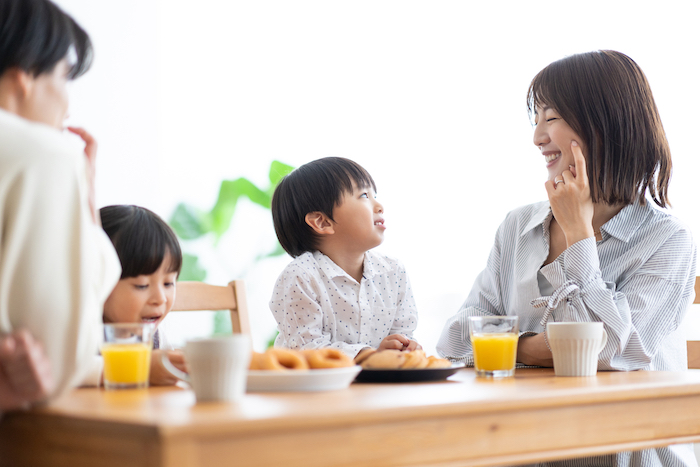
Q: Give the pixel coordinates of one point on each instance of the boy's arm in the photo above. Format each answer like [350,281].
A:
[406,318]
[300,316]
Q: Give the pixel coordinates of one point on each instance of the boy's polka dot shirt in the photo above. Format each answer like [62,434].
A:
[317,304]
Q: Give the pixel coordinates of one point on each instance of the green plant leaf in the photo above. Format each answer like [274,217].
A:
[222,323]
[191,269]
[189,222]
[277,171]
[229,193]
[271,341]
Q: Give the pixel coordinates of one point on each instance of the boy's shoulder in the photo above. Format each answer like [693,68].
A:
[303,264]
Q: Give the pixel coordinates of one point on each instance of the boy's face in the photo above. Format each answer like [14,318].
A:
[359,220]
[145,298]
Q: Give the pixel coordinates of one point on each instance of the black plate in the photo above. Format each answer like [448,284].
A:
[407,376]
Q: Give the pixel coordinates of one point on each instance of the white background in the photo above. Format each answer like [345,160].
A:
[428,96]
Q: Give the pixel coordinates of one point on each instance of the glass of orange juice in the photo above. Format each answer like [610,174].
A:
[495,345]
[127,355]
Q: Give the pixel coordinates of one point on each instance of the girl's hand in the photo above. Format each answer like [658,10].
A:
[160,376]
[91,154]
[570,200]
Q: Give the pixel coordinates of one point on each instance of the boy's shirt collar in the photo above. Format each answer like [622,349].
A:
[373,265]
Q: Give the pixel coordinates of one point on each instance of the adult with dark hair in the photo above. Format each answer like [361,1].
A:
[57,266]
[597,250]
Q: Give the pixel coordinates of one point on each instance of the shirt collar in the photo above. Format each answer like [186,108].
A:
[538,217]
[622,226]
[373,265]
[628,221]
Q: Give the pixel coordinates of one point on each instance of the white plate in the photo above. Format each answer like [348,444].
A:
[301,380]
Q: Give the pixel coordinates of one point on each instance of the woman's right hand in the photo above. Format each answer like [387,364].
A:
[91,155]
[570,200]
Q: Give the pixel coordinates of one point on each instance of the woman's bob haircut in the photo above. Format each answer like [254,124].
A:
[36,34]
[605,98]
[318,186]
[142,240]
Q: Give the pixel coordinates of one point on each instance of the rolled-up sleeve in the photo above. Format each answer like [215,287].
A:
[643,310]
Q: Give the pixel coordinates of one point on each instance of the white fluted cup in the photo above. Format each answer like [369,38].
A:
[575,347]
[218,367]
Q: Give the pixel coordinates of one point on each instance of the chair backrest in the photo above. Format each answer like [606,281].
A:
[198,296]
[694,346]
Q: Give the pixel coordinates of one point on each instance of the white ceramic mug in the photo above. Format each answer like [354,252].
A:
[575,347]
[218,367]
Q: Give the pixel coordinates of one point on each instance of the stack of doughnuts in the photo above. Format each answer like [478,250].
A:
[287,359]
[397,359]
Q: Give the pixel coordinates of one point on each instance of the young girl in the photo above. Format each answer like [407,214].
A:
[336,292]
[151,260]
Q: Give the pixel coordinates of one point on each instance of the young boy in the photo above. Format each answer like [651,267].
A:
[337,293]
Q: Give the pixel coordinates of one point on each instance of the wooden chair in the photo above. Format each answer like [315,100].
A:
[694,346]
[198,296]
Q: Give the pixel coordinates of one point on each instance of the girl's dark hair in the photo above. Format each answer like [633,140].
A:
[316,186]
[605,98]
[142,240]
[36,34]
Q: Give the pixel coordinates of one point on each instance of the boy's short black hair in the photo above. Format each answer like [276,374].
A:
[36,34]
[141,238]
[318,186]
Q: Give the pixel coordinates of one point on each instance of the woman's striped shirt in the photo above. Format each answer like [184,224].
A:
[638,280]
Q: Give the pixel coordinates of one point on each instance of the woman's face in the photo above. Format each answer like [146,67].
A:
[553,136]
[47,99]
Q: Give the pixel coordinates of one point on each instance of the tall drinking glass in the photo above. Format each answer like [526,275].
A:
[127,355]
[495,345]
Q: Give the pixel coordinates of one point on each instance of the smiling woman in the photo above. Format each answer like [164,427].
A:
[597,251]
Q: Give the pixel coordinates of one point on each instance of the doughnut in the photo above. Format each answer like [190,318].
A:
[435,362]
[386,359]
[283,359]
[256,361]
[415,360]
[326,358]
[363,354]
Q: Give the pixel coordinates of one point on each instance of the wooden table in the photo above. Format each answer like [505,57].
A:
[462,421]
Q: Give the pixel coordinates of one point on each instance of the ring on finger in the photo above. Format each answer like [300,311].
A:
[557,182]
